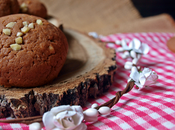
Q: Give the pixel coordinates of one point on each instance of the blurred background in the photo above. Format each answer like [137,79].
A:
[114,16]
[154,7]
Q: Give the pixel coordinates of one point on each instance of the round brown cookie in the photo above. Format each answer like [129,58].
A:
[171,44]
[39,55]
[8,7]
[33,7]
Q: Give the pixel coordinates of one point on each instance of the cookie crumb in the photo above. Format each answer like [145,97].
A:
[25,29]
[10,25]
[15,47]
[7,31]
[19,34]
[31,25]
[23,7]
[39,22]
[18,40]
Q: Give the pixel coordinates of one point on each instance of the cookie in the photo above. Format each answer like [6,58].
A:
[33,7]
[171,44]
[32,51]
[8,7]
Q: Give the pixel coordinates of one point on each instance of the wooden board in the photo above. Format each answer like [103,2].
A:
[92,15]
[88,72]
[107,17]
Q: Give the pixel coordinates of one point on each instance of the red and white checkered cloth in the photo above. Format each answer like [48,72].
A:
[151,108]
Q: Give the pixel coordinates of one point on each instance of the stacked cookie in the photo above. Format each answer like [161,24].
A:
[33,7]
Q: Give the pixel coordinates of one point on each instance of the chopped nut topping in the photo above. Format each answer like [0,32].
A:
[25,29]
[23,7]
[25,23]
[31,25]
[10,25]
[15,47]
[19,34]
[39,22]
[52,50]
[18,40]
[7,31]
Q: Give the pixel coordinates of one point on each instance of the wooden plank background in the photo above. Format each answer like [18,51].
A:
[107,16]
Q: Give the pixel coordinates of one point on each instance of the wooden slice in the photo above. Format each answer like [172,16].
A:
[88,72]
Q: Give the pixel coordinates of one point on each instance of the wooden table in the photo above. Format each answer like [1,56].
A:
[107,17]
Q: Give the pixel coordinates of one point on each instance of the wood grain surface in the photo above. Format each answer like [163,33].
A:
[106,17]
[88,72]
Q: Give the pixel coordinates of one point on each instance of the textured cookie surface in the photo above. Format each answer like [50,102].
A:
[8,7]
[32,51]
[33,7]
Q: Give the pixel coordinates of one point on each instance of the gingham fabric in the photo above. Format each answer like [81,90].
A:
[151,108]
